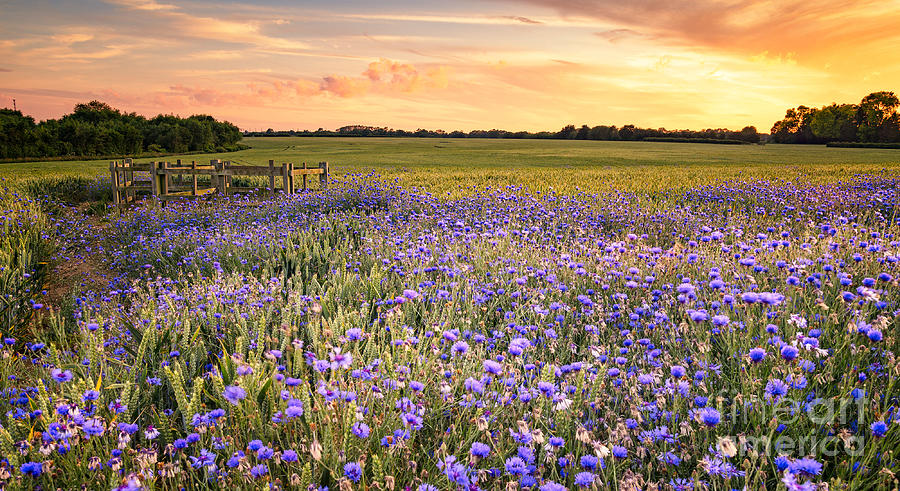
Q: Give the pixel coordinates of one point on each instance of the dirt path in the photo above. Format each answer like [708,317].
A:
[79,266]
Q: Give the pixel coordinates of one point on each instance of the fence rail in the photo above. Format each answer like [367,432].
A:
[163,186]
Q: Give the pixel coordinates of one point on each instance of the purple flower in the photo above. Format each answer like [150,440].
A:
[294,411]
[32,469]
[480,450]
[340,360]
[807,466]
[412,420]
[258,471]
[789,352]
[776,389]
[492,367]
[552,486]
[264,453]
[93,427]
[589,461]
[698,315]
[757,355]
[234,394]
[151,432]
[360,429]
[61,376]
[205,459]
[460,347]
[710,416]
[879,428]
[585,479]
[515,466]
[353,471]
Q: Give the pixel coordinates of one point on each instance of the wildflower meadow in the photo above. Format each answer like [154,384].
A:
[735,335]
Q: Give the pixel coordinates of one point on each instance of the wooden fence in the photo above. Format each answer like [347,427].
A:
[168,181]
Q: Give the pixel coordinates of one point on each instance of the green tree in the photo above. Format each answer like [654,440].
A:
[876,117]
[567,133]
[748,134]
[795,127]
[583,133]
[835,123]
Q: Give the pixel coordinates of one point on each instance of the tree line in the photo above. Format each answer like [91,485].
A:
[628,132]
[873,120]
[96,129]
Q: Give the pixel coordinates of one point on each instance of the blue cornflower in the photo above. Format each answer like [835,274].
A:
[360,429]
[515,466]
[552,486]
[589,461]
[806,466]
[264,453]
[234,394]
[93,427]
[710,416]
[585,479]
[205,459]
[32,469]
[879,428]
[61,376]
[353,471]
[480,450]
[775,389]
[789,352]
[757,355]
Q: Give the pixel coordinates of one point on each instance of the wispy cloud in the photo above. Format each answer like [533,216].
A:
[185,24]
[743,25]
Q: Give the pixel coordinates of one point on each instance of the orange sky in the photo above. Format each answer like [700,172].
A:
[511,64]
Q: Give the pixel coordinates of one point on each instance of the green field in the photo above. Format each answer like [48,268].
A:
[457,165]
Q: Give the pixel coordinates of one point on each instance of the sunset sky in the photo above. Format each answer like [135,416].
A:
[511,64]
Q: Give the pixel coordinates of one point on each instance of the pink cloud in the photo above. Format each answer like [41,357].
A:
[383,76]
[392,75]
[345,86]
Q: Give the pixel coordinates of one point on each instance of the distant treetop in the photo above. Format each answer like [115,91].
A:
[873,120]
[97,129]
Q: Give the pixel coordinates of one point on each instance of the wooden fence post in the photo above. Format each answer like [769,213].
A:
[272,177]
[194,178]
[218,176]
[130,193]
[164,178]
[323,177]
[285,180]
[154,180]
[304,176]
[227,164]
[114,181]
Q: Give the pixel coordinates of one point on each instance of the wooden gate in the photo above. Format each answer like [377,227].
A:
[168,181]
